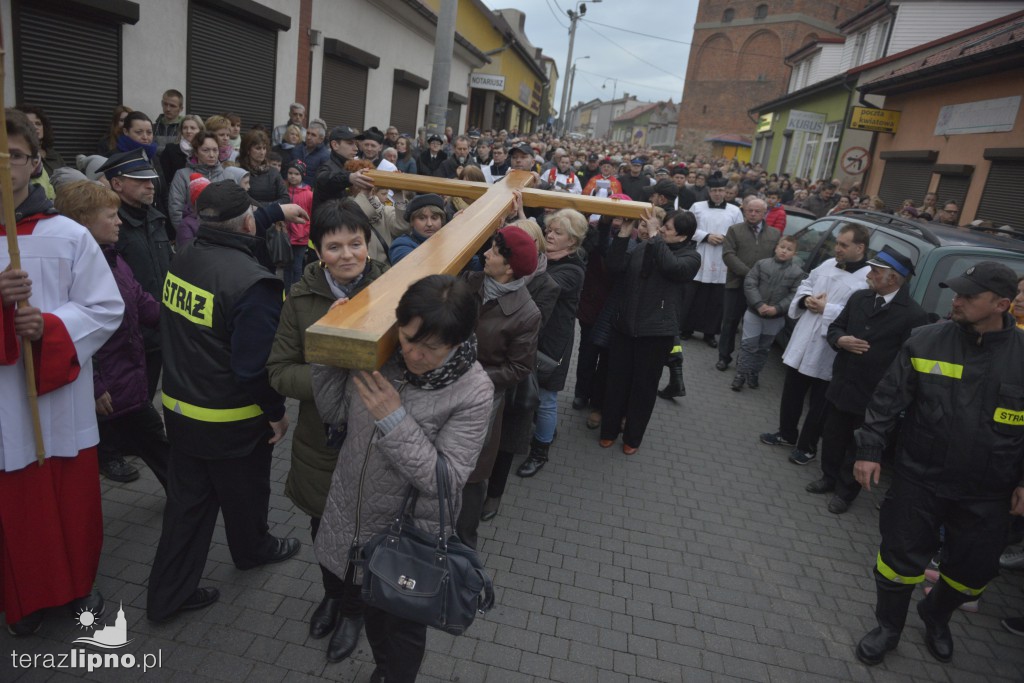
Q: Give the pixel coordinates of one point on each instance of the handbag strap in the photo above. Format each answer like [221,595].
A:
[444,497]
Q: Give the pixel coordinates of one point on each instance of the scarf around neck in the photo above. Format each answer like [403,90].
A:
[459,361]
[347,291]
[126,144]
[495,290]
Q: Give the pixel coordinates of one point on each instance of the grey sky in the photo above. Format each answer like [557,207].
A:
[660,78]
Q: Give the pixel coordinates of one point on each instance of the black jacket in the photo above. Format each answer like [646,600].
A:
[963,394]
[266,185]
[634,187]
[427,165]
[144,245]
[557,335]
[331,180]
[450,166]
[650,280]
[855,376]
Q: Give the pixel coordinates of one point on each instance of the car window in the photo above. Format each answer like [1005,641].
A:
[808,239]
[880,238]
[939,300]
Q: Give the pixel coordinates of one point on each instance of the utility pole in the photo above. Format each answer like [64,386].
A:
[572,82]
[574,16]
[441,74]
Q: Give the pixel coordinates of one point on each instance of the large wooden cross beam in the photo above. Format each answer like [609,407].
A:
[363,333]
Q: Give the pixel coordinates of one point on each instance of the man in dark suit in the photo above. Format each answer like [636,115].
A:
[867,336]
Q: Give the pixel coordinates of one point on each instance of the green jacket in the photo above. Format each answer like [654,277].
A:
[312,461]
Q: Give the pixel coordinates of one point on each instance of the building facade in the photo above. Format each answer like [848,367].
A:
[736,60]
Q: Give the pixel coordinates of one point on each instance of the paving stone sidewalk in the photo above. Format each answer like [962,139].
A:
[700,558]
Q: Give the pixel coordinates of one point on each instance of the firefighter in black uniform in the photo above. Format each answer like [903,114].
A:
[958,462]
[219,316]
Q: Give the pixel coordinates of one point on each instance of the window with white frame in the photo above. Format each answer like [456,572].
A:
[808,155]
[829,149]
[880,38]
[859,42]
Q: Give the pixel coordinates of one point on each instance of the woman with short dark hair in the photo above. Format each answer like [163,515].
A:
[341,233]
[645,319]
[51,158]
[431,399]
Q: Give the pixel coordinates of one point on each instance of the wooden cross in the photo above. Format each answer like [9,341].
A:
[363,333]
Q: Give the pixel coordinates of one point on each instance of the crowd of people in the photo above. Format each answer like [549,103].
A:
[190,258]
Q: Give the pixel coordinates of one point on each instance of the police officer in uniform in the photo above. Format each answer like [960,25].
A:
[220,313]
[958,464]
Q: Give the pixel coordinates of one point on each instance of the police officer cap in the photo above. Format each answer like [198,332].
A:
[435,138]
[134,164]
[222,201]
[987,276]
[893,260]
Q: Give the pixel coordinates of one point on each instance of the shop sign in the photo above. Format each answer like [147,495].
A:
[764,123]
[486,81]
[807,121]
[877,120]
[983,116]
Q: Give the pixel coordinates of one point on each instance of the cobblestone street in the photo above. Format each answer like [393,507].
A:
[701,558]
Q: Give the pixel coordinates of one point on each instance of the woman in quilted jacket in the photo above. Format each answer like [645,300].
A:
[431,398]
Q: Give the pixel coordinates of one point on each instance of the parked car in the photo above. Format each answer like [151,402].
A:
[797,219]
[939,252]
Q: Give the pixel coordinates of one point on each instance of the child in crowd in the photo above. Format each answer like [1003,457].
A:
[298,233]
[769,287]
[776,216]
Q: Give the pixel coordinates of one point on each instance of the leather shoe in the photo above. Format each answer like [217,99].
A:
[490,509]
[823,485]
[579,403]
[837,505]
[721,366]
[873,647]
[202,597]
[629,450]
[711,341]
[606,443]
[92,602]
[28,624]
[325,617]
[283,548]
[345,638]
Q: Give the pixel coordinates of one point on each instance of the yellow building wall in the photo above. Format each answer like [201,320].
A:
[522,85]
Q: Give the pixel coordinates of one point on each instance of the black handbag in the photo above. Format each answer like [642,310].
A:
[436,581]
[279,247]
[546,367]
[525,396]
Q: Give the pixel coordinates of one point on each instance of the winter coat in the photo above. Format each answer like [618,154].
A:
[559,333]
[178,195]
[331,180]
[650,278]
[119,367]
[634,186]
[290,375]
[402,246]
[187,228]
[774,283]
[776,218]
[818,206]
[597,281]
[957,399]
[298,233]
[450,166]
[742,249]
[172,159]
[808,351]
[406,164]
[428,165]
[266,185]
[375,470]
[146,249]
[855,375]
[385,226]
[313,159]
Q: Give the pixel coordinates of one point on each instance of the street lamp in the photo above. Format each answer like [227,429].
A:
[572,81]
[615,86]
[574,16]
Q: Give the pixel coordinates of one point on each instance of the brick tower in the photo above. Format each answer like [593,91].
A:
[736,60]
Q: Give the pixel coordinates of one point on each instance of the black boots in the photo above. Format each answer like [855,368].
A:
[345,639]
[536,460]
[935,611]
[891,611]
[325,617]
[675,387]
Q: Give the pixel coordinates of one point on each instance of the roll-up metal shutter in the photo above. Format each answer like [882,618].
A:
[1000,203]
[904,180]
[70,65]
[232,66]
[952,188]
[343,93]
[405,99]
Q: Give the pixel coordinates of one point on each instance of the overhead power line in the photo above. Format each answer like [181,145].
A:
[632,53]
[623,80]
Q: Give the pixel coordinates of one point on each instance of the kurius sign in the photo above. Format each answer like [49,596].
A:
[807,121]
